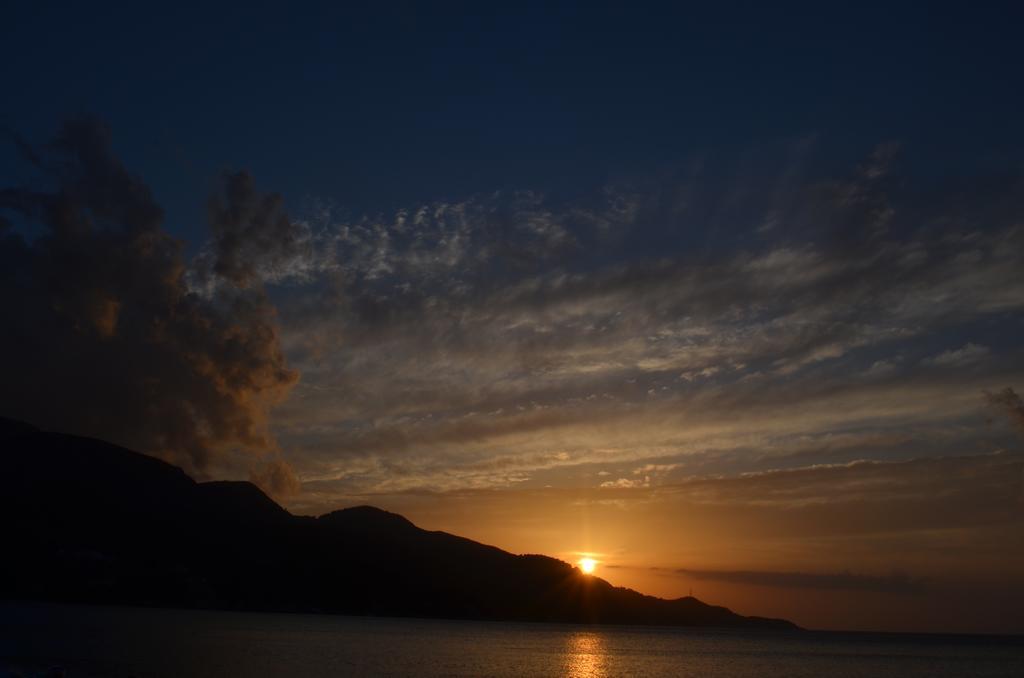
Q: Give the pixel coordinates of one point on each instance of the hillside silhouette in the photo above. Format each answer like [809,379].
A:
[87,521]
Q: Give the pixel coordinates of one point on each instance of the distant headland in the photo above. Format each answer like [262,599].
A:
[87,521]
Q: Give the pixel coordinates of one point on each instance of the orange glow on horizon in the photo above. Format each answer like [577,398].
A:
[587,565]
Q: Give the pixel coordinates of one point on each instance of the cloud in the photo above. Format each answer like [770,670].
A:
[458,343]
[627,482]
[917,482]
[253,239]
[475,328]
[277,478]
[883,368]
[1010,403]
[655,468]
[892,583]
[102,335]
[968,354]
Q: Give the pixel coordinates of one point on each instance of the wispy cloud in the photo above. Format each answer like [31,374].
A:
[892,583]
[483,326]
[968,354]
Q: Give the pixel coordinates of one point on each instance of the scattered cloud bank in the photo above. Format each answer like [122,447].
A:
[688,325]
[466,344]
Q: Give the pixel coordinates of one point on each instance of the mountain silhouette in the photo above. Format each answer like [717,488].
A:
[87,521]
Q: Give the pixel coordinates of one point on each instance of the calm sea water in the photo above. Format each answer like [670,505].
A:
[109,641]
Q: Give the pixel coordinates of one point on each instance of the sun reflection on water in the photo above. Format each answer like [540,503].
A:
[585,655]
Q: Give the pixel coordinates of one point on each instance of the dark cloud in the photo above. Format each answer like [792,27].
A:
[253,239]
[277,478]
[102,336]
[892,583]
[1010,403]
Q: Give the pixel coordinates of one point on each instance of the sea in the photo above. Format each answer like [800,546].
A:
[65,640]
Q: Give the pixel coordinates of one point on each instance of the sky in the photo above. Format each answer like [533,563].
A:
[727,298]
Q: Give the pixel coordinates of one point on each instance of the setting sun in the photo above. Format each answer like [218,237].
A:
[587,565]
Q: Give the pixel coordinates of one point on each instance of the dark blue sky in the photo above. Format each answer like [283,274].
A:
[373,109]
